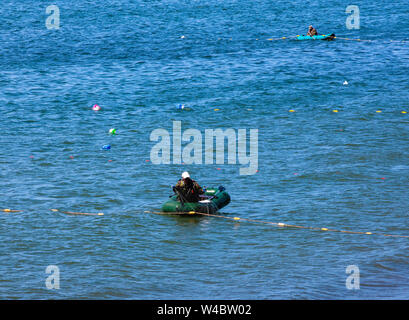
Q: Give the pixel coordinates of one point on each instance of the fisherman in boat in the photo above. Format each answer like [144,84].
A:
[312,31]
[187,189]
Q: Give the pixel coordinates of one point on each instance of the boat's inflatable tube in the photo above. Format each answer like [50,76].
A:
[215,199]
[318,37]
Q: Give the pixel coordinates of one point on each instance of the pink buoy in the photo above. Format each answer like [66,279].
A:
[96,107]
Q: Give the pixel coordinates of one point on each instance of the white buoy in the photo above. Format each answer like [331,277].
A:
[345,83]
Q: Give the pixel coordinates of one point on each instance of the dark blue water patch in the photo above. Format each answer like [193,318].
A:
[317,168]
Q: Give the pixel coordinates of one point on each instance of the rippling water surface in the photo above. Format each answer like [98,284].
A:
[345,170]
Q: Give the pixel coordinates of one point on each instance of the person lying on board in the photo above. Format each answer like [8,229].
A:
[312,31]
[188,190]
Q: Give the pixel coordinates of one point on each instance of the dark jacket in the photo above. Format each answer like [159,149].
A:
[189,190]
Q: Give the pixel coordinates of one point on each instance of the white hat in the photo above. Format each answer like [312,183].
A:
[185,175]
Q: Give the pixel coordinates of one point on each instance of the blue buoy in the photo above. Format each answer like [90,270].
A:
[106,147]
[184,107]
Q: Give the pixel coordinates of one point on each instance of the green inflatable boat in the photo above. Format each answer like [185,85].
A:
[318,37]
[212,201]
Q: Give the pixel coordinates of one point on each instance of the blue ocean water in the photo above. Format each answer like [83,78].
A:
[138,60]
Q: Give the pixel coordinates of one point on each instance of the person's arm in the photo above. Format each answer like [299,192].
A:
[178,185]
[199,189]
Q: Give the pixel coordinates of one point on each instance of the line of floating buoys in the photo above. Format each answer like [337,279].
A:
[111,131]
[337,110]
[280,224]
[183,107]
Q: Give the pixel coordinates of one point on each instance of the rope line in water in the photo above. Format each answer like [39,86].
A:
[282,225]
[367,40]
[65,212]
[294,37]
[78,213]
[236,219]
